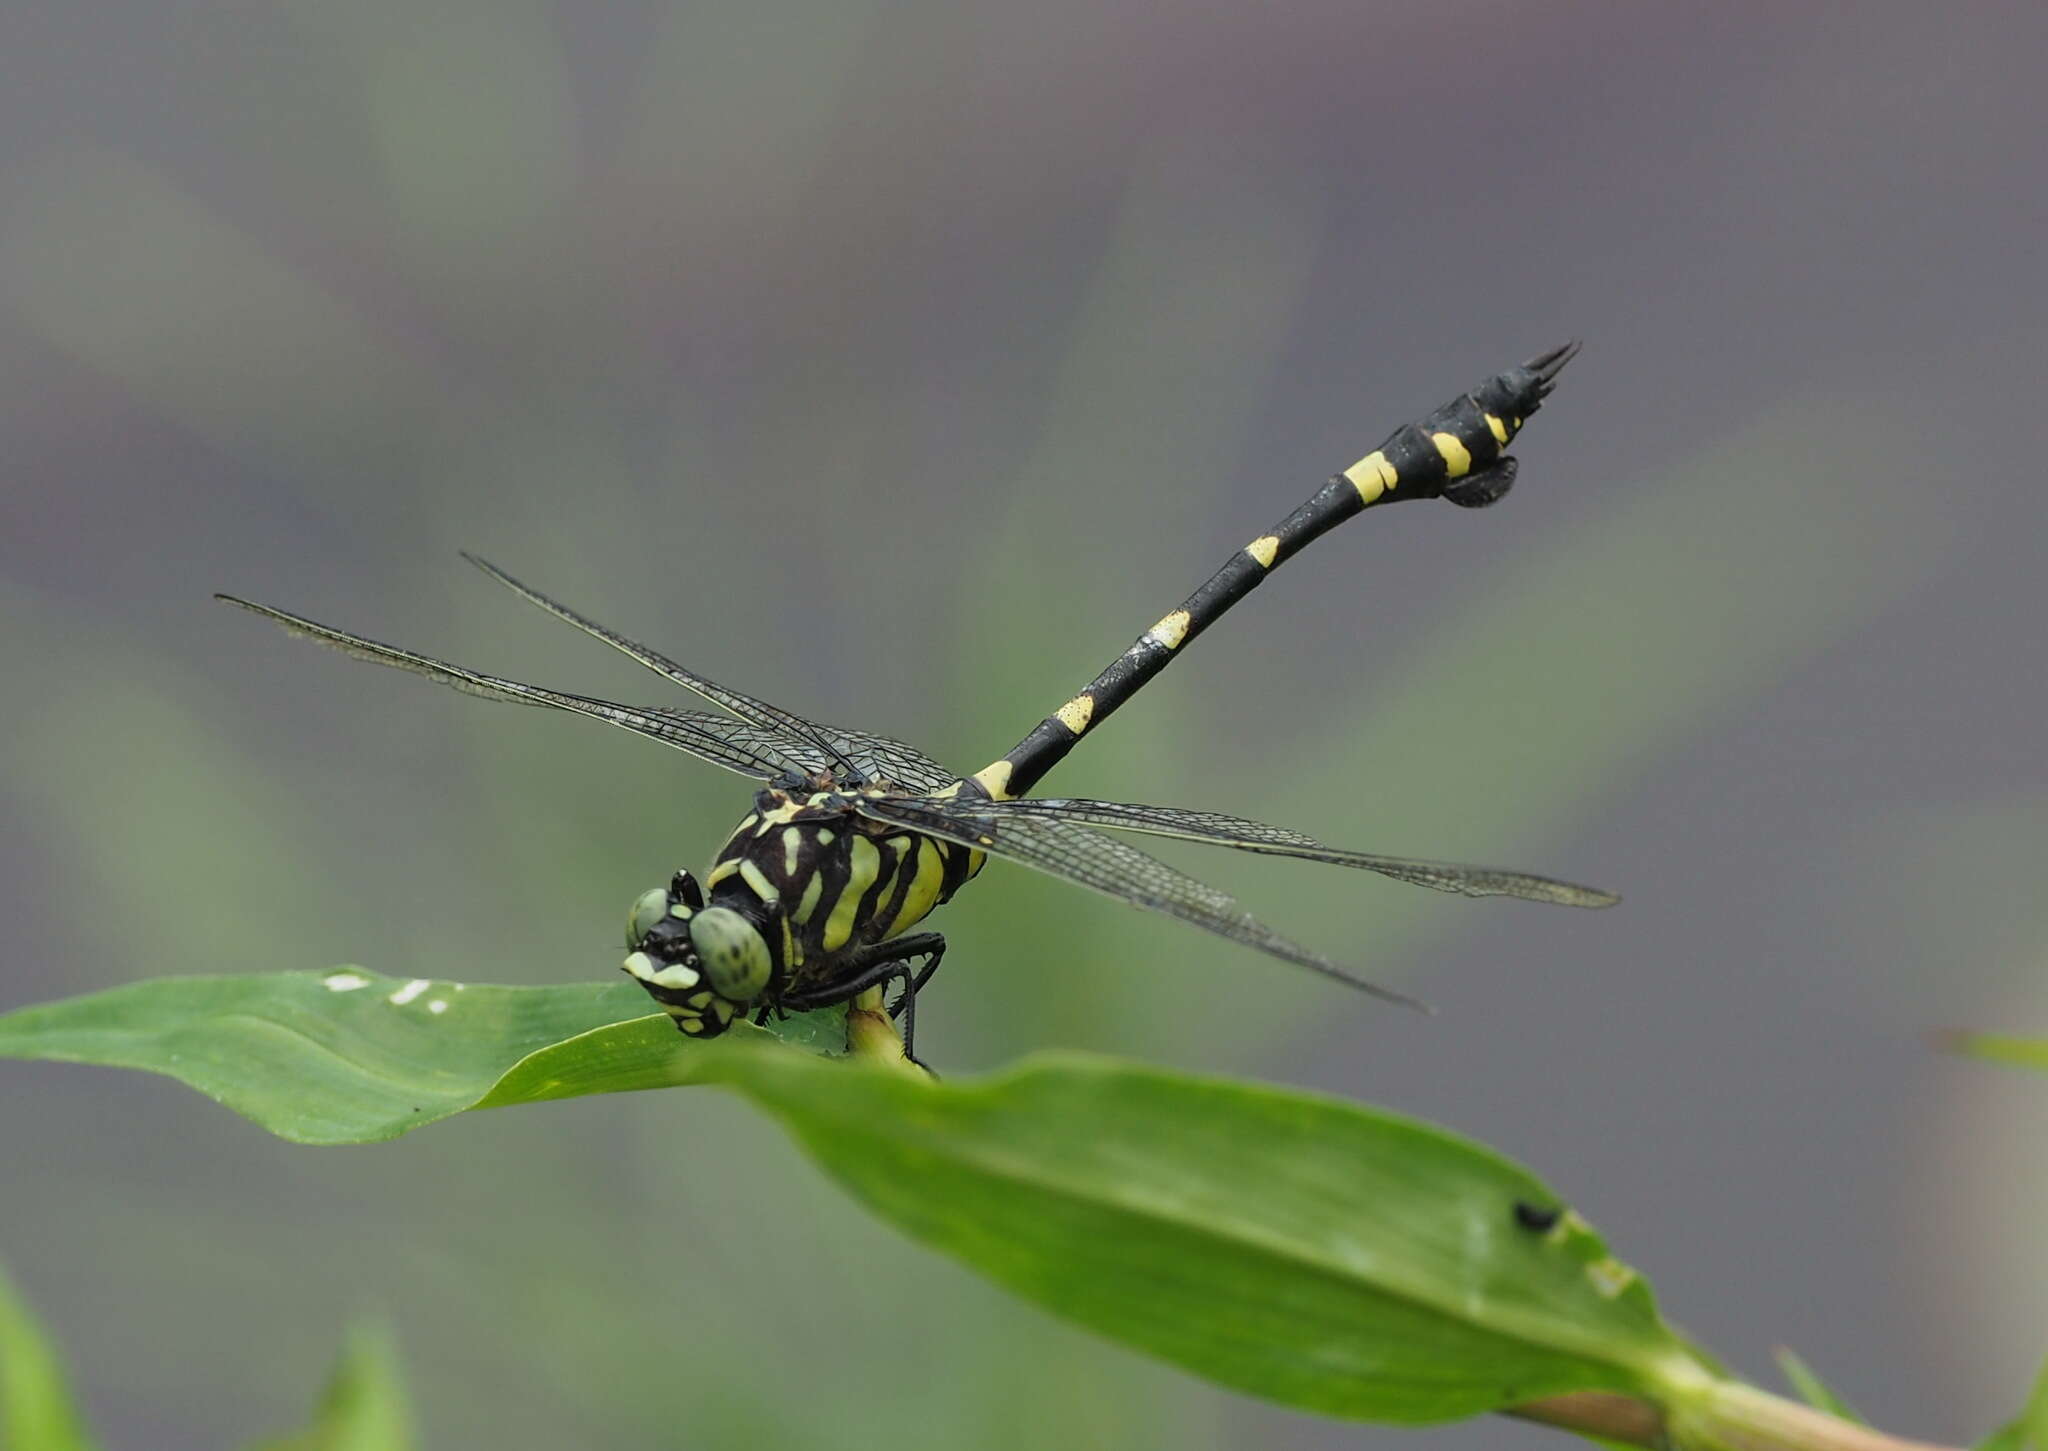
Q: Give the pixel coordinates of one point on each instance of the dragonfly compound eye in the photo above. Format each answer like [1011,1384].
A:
[650,910]
[733,953]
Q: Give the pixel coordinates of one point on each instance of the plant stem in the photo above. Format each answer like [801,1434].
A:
[1598,1413]
[1729,1417]
[872,1037]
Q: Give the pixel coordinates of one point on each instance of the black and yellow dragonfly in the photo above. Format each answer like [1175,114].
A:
[854,838]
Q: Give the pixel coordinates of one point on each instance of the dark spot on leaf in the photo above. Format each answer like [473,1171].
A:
[1534,1217]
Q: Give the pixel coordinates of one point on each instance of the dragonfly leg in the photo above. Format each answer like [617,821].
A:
[932,952]
[884,963]
[933,949]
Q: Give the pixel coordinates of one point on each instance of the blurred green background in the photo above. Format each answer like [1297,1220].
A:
[899,362]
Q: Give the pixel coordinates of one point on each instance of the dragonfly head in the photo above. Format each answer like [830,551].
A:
[704,965]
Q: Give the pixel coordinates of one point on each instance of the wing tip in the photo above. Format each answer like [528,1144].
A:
[285,618]
[470,556]
[1375,990]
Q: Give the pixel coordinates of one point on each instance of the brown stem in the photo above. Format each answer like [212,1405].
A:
[1728,1416]
[1598,1413]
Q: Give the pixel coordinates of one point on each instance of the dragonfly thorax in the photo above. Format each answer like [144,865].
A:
[803,890]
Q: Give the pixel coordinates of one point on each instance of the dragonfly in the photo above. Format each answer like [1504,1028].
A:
[854,838]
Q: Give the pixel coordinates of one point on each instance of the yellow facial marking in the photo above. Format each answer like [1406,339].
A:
[757,879]
[1499,429]
[675,975]
[863,862]
[792,846]
[1457,458]
[1168,632]
[995,779]
[1076,713]
[1265,549]
[1372,476]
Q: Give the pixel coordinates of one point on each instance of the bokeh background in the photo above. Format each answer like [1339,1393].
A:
[899,361]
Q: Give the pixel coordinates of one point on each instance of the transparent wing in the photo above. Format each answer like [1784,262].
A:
[1234,831]
[872,757]
[735,745]
[830,747]
[1087,858]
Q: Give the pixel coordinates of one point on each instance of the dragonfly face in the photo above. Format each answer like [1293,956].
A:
[663,930]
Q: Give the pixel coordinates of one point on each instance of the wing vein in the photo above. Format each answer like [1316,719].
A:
[1090,859]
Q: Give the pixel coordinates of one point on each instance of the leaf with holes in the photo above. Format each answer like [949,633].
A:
[1326,1256]
[349,1057]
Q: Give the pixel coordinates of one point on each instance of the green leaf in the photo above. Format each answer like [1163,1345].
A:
[1329,1257]
[364,1408]
[350,1057]
[1997,1048]
[1812,1389]
[1326,1256]
[36,1409]
[2028,1431]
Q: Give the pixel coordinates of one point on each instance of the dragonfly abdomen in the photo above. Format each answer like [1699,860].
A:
[1457,452]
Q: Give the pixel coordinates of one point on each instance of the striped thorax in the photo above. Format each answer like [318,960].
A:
[804,884]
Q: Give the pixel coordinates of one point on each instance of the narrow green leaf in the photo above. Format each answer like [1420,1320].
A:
[2028,1431]
[364,1408]
[36,1409]
[2035,1416]
[350,1057]
[1326,1256]
[1812,1389]
[1997,1048]
[1330,1257]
